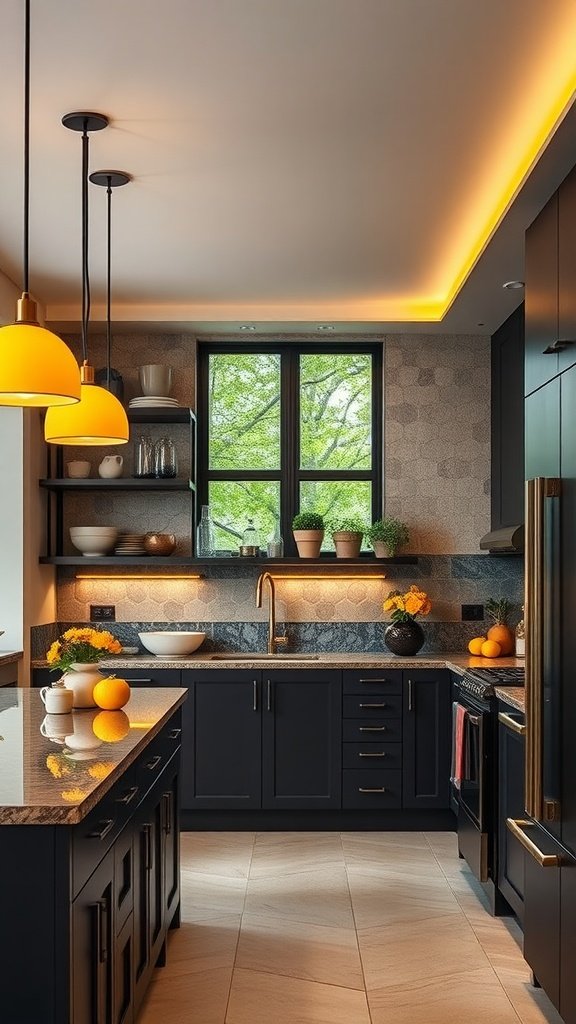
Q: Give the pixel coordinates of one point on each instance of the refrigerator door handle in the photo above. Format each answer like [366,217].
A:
[537,492]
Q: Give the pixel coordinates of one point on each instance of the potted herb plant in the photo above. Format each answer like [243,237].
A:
[387,535]
[404,635]
[347,534]
[308,529]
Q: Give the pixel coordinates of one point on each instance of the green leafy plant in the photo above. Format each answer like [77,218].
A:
[308,521]
[349,524]
[391,532]
[498,609]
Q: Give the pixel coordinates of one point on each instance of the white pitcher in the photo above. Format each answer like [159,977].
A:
[111,467]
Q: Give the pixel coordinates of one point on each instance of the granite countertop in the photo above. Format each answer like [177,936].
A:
[457,661]
[515,696]
[9,657]
[44,782]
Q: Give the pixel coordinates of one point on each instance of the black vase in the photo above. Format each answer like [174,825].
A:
[404,638]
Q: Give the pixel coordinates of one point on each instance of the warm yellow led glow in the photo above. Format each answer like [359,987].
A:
[135,576]
[328,576]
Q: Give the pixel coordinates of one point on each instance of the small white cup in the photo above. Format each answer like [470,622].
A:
[78,469]
[156,380]
[57,700]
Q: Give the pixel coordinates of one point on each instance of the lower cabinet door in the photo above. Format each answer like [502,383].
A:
[542,915]
[148,892]
[301,739]
[171,847]
[221,740]
[123,1009]
[510,805]
[426,739]
[93,947]
[568,941]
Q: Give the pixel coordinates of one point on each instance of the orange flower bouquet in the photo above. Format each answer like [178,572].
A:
[404,636]
[84,645]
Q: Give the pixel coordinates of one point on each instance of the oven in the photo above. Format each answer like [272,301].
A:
[473,781]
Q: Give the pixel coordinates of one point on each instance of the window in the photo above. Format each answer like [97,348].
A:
[284,428]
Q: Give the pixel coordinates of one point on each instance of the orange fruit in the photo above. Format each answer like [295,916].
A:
[111,693]
[111,726]
[503,636]
[490,649]
[475,645]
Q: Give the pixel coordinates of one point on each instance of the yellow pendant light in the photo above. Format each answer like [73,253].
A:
[36,367]
[98,418]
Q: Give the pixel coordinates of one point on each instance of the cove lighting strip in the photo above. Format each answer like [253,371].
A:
[329,576]
[134,576]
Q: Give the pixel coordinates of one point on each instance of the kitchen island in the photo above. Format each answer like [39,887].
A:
[89,853]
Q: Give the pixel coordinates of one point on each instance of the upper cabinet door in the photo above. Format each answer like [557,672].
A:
[507,502]
[541,302]
[567,271]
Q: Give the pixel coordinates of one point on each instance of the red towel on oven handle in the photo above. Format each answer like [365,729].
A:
[458,746]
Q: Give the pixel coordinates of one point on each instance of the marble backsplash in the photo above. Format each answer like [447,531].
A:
[331,615]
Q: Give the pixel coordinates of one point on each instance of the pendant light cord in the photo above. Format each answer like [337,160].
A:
[26,247]
[108,283]
[85,276]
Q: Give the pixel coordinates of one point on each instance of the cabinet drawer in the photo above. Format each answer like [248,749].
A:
[158,752]
[368,681]
[358,730]
[372,755]
[149,676]
[373,705]
[93,837]
[375,788]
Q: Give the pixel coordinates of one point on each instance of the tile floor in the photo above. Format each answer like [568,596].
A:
[330,928]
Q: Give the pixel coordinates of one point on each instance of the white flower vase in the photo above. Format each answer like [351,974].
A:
[81,679]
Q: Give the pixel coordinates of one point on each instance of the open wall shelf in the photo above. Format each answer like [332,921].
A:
[329,563]
[123,483]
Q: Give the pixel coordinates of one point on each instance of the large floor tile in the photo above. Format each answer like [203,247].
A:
[309,951]
[475,997]
[384,901]
[395,955]
[202,945]
[374,858]
[304,853]
[259,998]
[217,853]
[199,998]
[314,897]
[531,1004]
[206,895]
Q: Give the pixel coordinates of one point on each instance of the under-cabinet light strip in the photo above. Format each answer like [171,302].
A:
[135,576]
[329,576]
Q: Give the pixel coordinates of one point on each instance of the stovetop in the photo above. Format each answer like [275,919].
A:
[480,682]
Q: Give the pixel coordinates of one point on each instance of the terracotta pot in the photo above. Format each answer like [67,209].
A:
[347,543]
[381,549]
[404,638]
[309,542]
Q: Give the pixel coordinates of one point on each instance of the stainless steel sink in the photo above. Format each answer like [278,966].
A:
[259,656]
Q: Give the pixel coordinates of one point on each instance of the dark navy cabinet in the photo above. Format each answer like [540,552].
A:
[511,744]
[426,739]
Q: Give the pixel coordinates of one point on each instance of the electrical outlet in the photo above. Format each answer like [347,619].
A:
[472,612]
[102,613]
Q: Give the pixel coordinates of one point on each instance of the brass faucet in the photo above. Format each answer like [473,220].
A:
[273,640]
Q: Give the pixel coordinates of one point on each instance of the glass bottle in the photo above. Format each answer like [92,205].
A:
[165,459]
[144,457]
[250,540]
[275,545]
[520,638]
[205,535]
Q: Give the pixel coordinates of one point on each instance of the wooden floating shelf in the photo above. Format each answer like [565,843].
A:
[119,484]
[305,564]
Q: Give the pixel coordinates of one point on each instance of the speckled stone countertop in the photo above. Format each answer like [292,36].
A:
[458,662]
[9,657]
[513,695]
[45,782]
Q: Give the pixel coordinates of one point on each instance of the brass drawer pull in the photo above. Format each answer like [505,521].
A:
[107,827]
[545,860]
[511,723]
[372,755]
[128,796]
[371,728]
[154,762]
[375,789]
[383,704]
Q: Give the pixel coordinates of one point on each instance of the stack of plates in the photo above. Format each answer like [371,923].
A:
[130,544]
[153,402]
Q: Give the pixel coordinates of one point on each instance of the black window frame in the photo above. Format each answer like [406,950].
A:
[290,473]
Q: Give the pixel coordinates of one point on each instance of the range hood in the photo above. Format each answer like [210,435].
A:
[508,541]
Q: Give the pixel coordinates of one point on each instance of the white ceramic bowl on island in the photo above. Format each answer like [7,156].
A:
[171,644]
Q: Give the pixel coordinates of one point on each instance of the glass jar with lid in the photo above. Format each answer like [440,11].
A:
[250,546]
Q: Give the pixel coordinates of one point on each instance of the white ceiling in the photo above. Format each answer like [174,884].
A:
[294,161]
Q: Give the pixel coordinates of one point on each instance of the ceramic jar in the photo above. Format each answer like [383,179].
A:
[111,467]
[81,679]
[404,638]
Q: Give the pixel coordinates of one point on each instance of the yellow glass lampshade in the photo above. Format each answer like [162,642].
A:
[36,367]
[97,419]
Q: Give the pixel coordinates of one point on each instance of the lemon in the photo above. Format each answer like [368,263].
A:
[111,693]
[475,645]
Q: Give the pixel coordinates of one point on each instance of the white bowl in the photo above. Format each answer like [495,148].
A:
[165,644]
[79,531]
[94,544]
